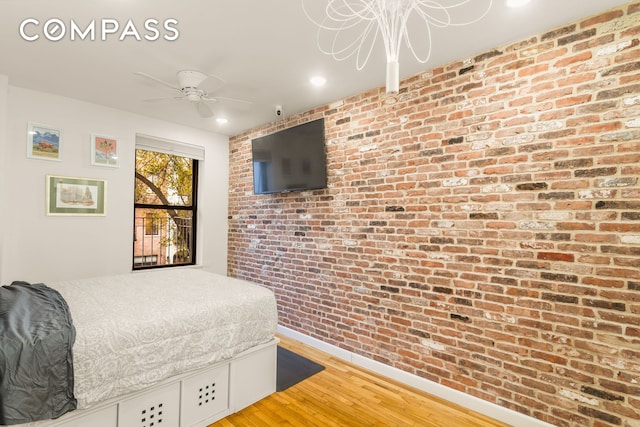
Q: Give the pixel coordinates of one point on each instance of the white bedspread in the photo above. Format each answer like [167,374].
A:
[136,329]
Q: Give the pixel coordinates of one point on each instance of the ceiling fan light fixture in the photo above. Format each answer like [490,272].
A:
[193,95]
[222,120]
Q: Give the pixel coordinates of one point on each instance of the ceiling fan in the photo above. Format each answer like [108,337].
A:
[190,87]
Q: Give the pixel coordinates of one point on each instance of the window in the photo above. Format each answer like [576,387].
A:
[151,224]
[165,208]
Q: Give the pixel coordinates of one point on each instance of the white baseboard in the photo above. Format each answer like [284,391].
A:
[489,409]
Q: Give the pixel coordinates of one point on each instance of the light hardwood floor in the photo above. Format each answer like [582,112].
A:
[347,395]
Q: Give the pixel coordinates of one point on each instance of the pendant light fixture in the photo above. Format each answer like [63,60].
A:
[352,27]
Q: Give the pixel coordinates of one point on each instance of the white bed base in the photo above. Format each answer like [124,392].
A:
[194,399]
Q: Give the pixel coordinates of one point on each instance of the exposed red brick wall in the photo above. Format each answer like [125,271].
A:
[480,230]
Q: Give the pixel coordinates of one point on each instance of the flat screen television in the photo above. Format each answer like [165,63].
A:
[292,159]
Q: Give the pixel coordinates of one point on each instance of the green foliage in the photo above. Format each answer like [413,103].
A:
[168,179]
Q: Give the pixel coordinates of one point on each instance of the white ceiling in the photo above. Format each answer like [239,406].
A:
[265,50]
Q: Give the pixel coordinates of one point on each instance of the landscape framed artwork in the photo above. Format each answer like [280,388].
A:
[43,142]
[104,151]
[76,196]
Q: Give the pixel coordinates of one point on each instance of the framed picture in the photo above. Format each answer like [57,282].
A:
[104,151]
[43,142]
[76,196]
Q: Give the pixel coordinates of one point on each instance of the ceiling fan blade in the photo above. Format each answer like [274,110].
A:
[166,98]
[157,80]
[225,99]
[203,109]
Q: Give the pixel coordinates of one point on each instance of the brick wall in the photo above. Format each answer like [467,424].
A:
[480,230]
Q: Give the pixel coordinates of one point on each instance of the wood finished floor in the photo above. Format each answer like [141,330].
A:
[347,395]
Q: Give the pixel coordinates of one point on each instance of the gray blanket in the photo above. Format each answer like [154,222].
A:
[36,364]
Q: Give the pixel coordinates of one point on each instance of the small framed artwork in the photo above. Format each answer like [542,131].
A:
[76,196]
[104,151]
[43,142]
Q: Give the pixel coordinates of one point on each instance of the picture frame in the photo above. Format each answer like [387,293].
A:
[44,142]
[104,151]
[74,196]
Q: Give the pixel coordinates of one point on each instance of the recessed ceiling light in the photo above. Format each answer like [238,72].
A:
[318,81]
[222,121]
[517,3]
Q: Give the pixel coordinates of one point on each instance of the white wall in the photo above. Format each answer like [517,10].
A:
[40,248]
[4,88]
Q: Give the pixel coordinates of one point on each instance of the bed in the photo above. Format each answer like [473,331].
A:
[167,347]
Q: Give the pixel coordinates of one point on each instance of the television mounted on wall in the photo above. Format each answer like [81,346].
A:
[292,159]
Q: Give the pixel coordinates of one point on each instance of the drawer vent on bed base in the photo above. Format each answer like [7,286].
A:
[159,408]
[205,397]
[152,416]
[207,394]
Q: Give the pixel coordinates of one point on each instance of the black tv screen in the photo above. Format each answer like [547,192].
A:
[292,159]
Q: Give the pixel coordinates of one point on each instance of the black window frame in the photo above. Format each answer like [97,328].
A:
[165,208]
